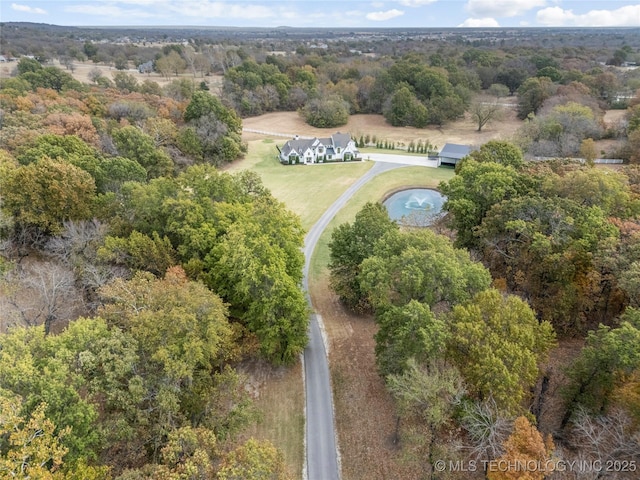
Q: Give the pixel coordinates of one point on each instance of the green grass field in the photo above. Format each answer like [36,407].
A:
[376,190]
[308,191]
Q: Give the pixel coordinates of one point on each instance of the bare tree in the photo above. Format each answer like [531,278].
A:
[41,293]
[487,429]
[94,74]
[484,112]
[607,438]
[77,249]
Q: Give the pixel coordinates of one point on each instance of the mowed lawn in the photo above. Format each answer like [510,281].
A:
[376,190]
[308,190]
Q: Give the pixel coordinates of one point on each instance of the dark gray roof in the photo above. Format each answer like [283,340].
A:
[297,145]
[337,140]
[341,140]
[452,150]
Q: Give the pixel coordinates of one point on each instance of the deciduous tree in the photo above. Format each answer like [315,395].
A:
[350,245]
[45,193]
[527,456]
[498,344]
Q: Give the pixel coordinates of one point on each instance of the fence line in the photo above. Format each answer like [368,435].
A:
[275,134]
[582,160]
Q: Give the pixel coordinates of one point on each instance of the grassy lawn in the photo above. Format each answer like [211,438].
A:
[375,190]
[307,190]
[281,406]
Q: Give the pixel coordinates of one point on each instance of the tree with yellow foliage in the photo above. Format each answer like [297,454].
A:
[527,456]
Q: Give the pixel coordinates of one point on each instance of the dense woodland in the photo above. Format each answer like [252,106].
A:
[136,275]
[464,341]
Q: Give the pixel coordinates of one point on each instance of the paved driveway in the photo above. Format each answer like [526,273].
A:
[400,159]
[321,448]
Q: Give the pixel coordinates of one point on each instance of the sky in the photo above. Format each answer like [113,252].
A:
[326,13]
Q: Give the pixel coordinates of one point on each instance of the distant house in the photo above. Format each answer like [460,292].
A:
[3,59]
[340,147]
[452,153]
[146,67]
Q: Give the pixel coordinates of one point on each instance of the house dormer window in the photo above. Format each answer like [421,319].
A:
[338,150]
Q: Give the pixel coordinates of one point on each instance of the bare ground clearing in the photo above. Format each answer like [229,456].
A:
[462,131]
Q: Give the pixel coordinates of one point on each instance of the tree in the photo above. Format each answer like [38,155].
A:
[498,90]
[487,427]
[501,152]
[37,370]
[532,94]
[213,132]
[254,459]
[405,109]
[423,266]
[45,193]
[408,333]
[588,150]
[512,78]
[135,145]
[125,82]
[184,341]
[169,64]
[32,447]
[262,279]
[524,448]
[427,395]
[476,187]
[331,111]
[484,112]
[350,245]
[609,357]
[543,248]
[45,294]
[497,344]
[139,252]
[560,131]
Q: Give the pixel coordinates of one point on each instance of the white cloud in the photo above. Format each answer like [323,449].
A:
[628,16]
[415,3]
[26,8]
[479,23]
[377,4]
[501,8]
[381,16]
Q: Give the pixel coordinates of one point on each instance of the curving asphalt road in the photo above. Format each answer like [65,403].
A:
[320,439]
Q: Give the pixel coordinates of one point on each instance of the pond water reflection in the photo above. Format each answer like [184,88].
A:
[416,206]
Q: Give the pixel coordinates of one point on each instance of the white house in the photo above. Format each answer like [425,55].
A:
[340,147]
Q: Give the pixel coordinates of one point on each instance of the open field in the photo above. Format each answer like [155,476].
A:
[81,72]
[461,131]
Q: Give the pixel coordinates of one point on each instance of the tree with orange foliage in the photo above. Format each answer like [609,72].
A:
[527,456]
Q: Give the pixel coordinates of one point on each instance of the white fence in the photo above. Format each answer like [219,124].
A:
[274,134]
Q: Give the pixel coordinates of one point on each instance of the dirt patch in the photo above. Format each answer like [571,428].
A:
[365,412]
[462,131]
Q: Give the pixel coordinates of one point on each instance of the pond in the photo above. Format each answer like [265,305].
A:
[418,207]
